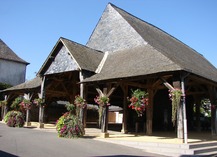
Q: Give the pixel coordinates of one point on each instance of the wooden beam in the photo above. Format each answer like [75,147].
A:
[134,84]
[170,87]
[203,80]
[56,93]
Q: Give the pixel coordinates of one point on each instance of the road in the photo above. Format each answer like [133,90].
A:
[27,142]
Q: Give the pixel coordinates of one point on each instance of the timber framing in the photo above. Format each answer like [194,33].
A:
[134,54]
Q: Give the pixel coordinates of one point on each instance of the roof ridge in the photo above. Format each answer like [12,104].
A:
[80,44]
[101,64]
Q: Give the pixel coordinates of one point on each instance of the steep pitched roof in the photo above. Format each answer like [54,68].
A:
[151,47]
[113,33]
[85,58]
[7,54]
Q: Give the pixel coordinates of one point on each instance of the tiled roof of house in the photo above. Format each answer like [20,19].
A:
[7,54]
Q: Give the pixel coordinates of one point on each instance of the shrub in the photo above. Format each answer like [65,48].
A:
[14,119]
[2,87]
[69,126]
[16,104]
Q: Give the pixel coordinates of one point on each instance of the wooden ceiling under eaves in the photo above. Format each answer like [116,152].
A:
[62,86]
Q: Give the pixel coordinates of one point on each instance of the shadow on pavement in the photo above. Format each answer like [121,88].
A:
[5,154]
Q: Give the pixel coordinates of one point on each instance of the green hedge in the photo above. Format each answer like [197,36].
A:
[4,86]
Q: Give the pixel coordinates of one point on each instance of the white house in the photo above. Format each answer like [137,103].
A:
[12,67]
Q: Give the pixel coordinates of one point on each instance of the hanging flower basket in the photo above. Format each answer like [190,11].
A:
[138,101]
[39,102]
[26,104]
[3,103]
[102,101]
[80,102]
[175,97]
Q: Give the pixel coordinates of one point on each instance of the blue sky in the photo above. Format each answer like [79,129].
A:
[31,28]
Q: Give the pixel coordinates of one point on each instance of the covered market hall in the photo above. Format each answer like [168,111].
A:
[123,54]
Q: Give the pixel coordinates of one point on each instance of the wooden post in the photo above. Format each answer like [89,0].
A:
[41,95]
[104,122]
[181,112]
[105,115]
[27,97]
[5,108]
[27,118]
[213,98]
[85,109]
[198,104]
[183,100]
[125,113]
[149,112]
[180,127]
[82,94]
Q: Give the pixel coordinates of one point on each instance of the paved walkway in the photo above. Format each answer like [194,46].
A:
[133,140]
[162,137]
[32,142]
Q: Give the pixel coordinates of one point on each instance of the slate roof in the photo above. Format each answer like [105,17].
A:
[86,58]
[138,61]
[7,54]
[158,52]
[28,85]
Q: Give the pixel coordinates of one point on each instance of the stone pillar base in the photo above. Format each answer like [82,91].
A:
[27,124]
[40,125]
[179,140]
[104,135]
[124,131]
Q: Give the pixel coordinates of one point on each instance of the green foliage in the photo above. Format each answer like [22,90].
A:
[70,107]
[3,103]
[39,102]
[25,104]
[69,126]
[16,103]
[14,119]
[102,100]
[175,97]
[80,102]
[4,86]
[138,93]
[138,101]
[205,107]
